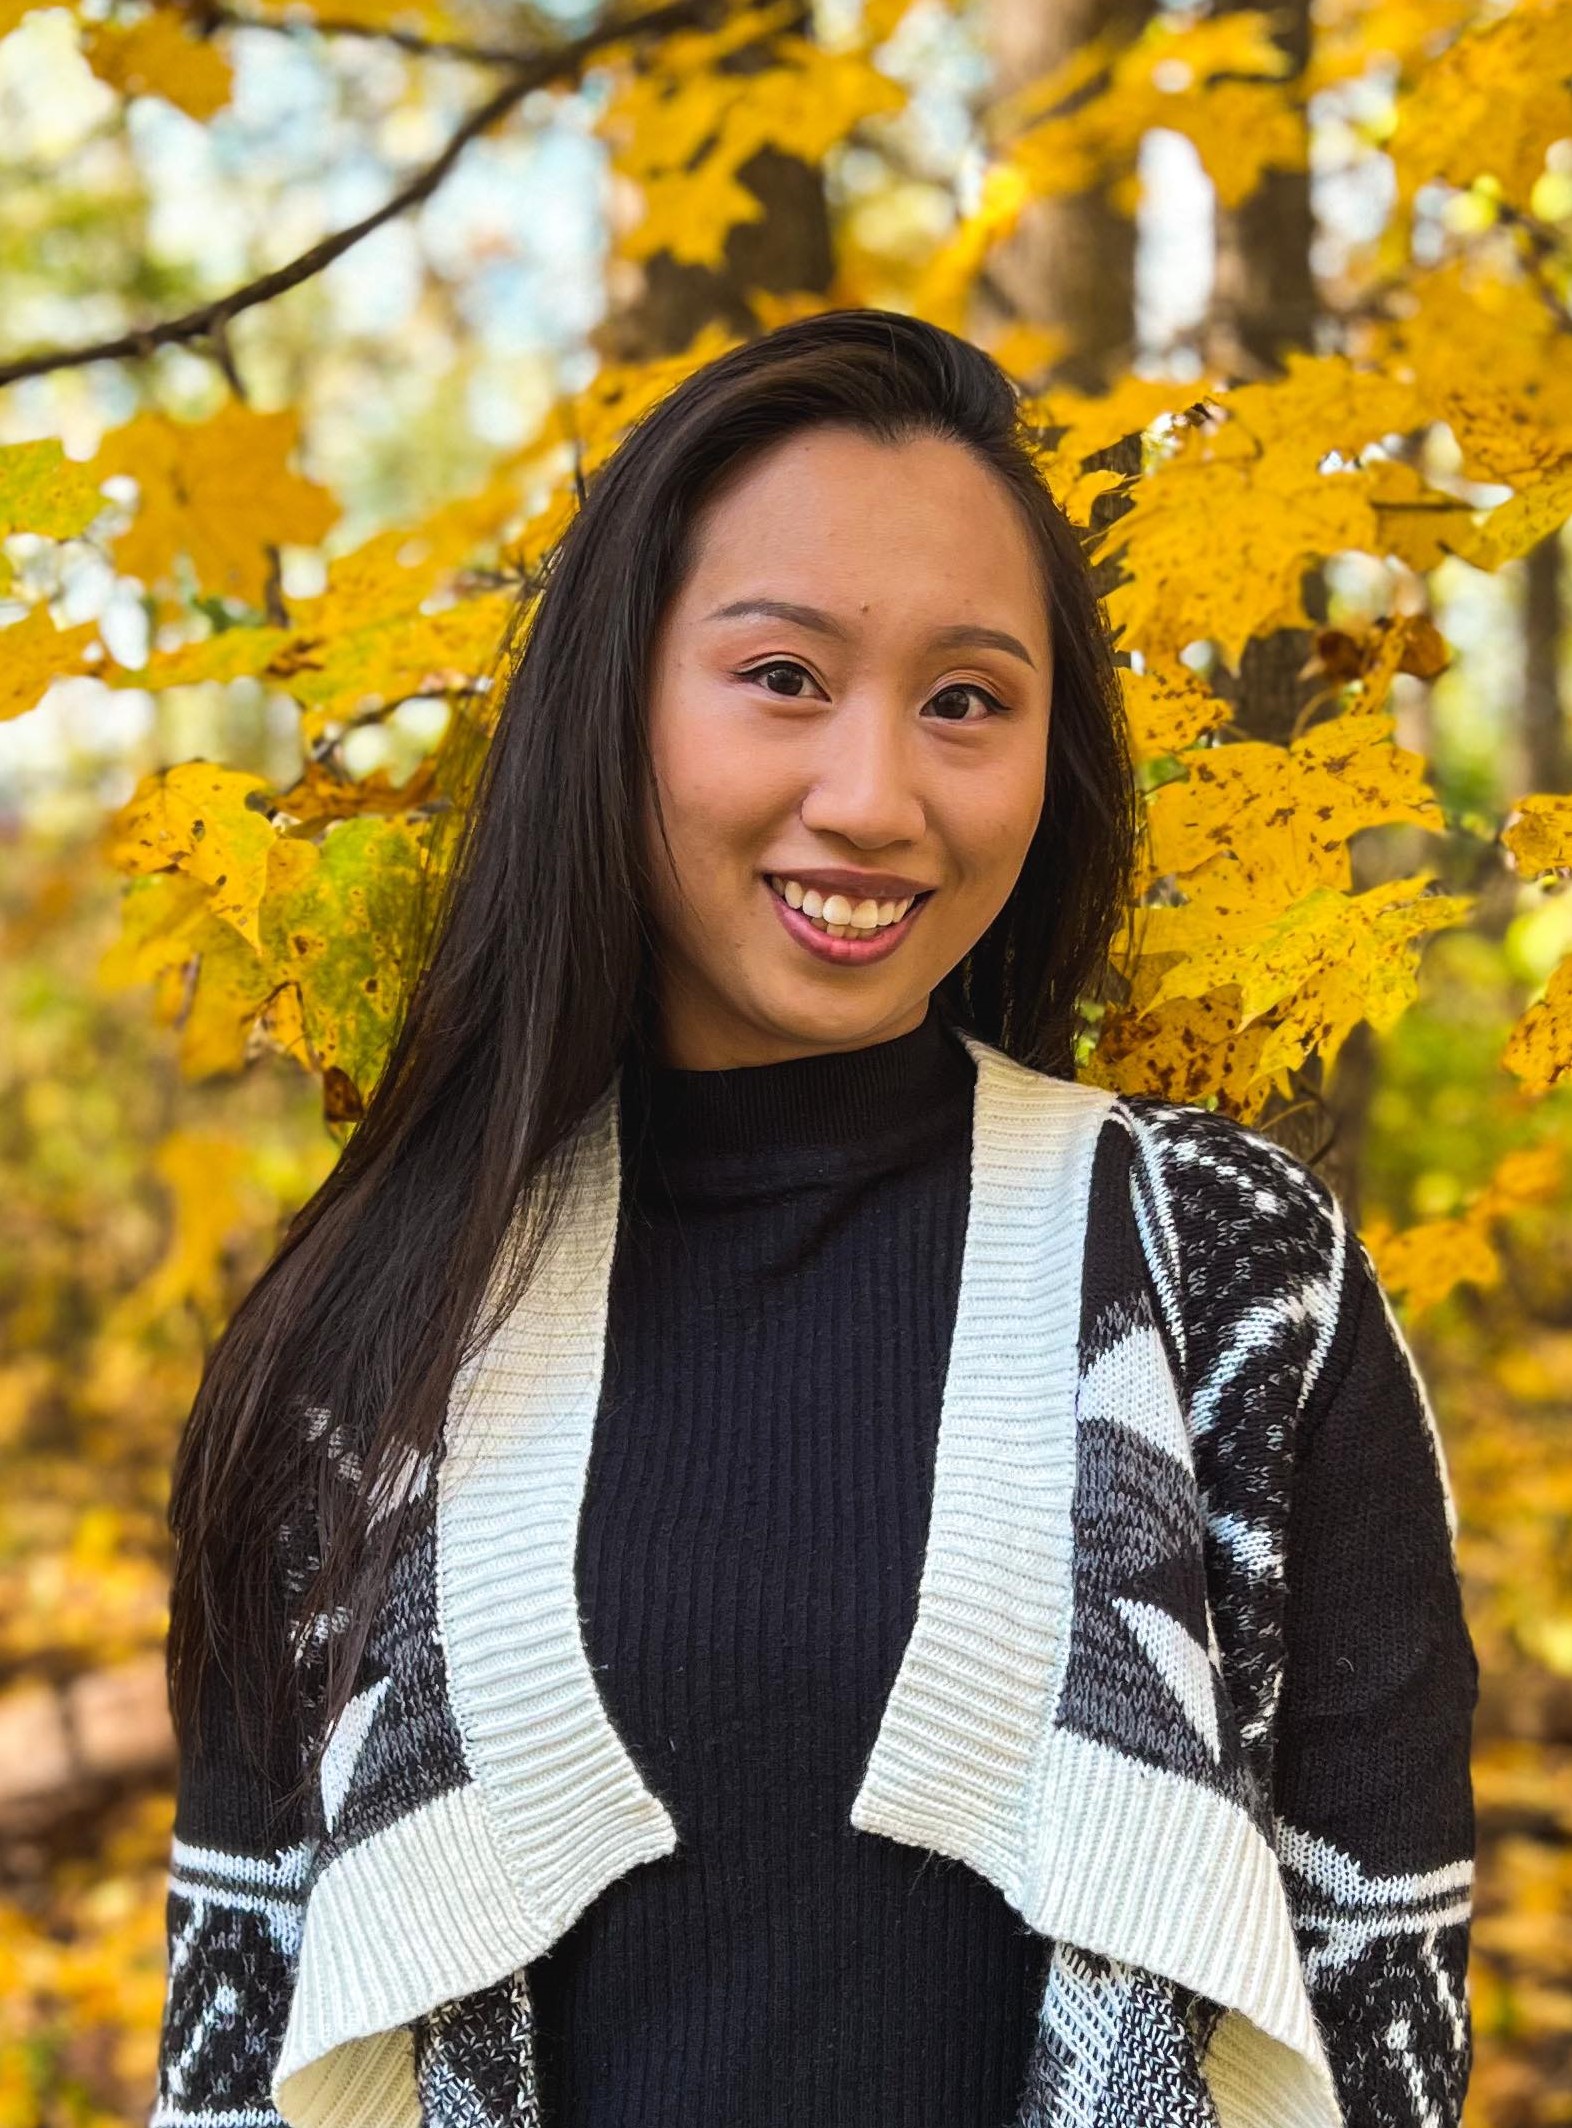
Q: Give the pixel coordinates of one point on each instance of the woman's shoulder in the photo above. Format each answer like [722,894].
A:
[1249,1249]
[1222,1162]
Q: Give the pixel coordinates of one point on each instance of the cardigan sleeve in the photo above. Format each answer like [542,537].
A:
[1373,1803]
[238,1872]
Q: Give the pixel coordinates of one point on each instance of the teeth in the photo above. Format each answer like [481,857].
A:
[837,913]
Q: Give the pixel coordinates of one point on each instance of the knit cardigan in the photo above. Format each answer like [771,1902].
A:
[1255,1878]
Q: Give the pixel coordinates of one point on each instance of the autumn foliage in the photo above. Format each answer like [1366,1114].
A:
[200,998]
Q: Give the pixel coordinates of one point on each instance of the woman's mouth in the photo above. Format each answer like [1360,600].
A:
[837,928]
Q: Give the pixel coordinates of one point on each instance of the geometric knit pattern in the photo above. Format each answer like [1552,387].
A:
[233,1926]
[397,1744]
[1115,2047]
[1253,1266]
[1234,1358]
[1244,1245]
[1385,1958]
[474,2060]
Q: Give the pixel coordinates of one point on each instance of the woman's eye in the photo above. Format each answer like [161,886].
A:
[952,703]
[778,676]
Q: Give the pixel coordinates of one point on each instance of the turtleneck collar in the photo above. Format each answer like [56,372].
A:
[841,1102]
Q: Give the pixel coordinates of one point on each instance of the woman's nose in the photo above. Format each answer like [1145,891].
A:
[861,787]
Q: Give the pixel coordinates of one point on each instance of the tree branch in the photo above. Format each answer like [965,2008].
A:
[209,322]
[206,16]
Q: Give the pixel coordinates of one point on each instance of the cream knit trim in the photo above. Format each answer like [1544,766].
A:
[415,1915]
[952,1765]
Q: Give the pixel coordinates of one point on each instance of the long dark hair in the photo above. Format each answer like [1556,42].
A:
[535,980]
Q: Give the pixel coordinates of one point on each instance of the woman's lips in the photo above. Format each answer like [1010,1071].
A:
[848,952]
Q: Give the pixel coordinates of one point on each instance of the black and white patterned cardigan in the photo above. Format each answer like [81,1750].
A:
[1188,1680]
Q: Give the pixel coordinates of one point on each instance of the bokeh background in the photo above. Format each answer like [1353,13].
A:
[312,318]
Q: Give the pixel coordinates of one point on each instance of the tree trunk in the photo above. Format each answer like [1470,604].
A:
[668,301]
[1071,262]
[1264,303]
[1546,760]
[1264,297]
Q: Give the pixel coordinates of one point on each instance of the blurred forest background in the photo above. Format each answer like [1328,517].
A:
[311,319]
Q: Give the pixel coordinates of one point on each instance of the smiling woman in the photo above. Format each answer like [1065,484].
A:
[762,1553]
[850,695]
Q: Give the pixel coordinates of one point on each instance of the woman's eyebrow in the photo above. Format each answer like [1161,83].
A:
[971,635]
[770,609]
[959,635]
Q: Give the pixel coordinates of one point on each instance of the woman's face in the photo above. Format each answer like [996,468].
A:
[848,717]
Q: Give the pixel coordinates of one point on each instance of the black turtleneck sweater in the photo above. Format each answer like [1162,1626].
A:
[756,1507]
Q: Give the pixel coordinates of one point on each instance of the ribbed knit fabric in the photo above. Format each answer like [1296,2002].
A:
[782,1302]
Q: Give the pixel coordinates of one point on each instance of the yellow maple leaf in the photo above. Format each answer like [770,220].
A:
[596,418]
[1484,353]
[1027,350]
[1516,526]
[1538,1051]
[219,492]
[350,671]
[1318,966]
[1216,80]
[1221,530]
[44,492]
[1368,970]
[157,56]
[1096,421]
[1525,1174]
[198,819]
[159,914]
[1421,526]
[1169,708]
[1490,105]
[1354,36]
[685,122]
[36,654]
[332,922]
[220,1012]
[1277,820]
[339,668]
[1320,404]
[1423,1264]
[385,579]
[1218,550]
[226,654]
[208,1177]
[1240,130]
[1188,1050]
[1202,47]
[1538,834]
[207,981]
[393,571]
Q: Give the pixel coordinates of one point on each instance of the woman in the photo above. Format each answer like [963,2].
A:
[761,1554]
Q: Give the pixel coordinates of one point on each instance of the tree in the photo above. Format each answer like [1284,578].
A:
[1305,866]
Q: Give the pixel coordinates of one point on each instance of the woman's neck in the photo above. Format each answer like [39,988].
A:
[845,1102]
